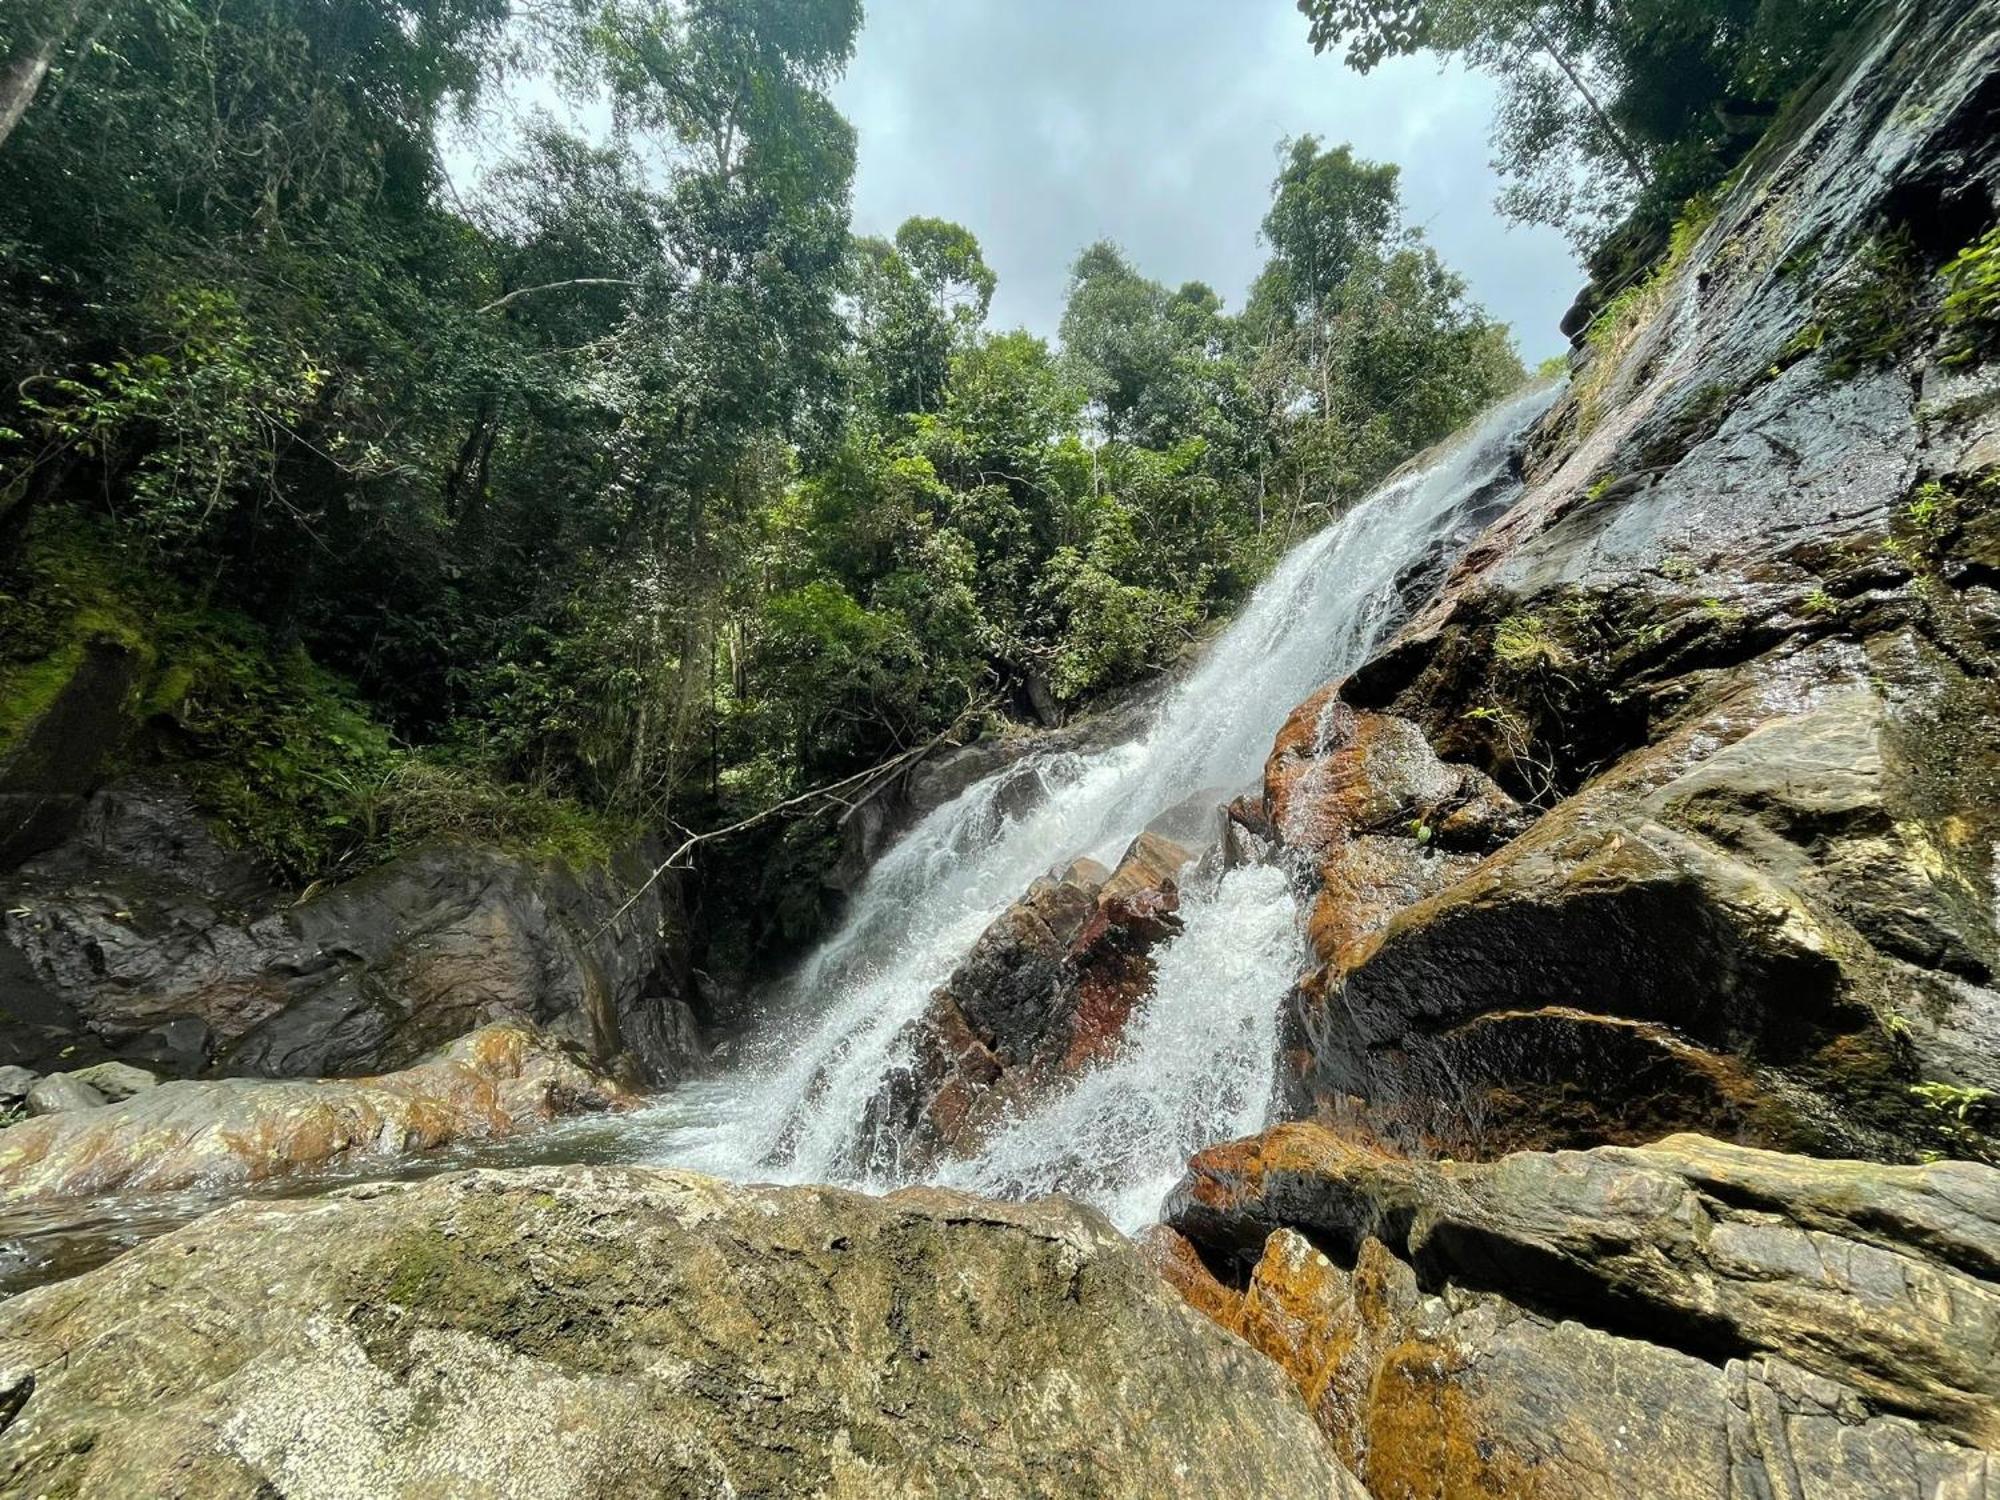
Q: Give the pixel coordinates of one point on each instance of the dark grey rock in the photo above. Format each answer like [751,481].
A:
[60,1092]
[141,937]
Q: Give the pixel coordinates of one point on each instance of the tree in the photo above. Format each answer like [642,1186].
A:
[1329,210]
[1122,346]
[946,261]
[912,304]
[1604,105]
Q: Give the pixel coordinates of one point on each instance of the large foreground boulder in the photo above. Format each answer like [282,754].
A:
[636,1332]
[1691,1319]
[496,1082]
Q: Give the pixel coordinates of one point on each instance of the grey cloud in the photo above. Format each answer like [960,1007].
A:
[1045,124]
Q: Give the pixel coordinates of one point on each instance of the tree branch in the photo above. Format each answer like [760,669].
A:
[1604,122]
[21,77]
[552,286]
[822,794]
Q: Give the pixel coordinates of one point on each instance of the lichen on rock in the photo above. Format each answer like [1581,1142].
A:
[628,1331]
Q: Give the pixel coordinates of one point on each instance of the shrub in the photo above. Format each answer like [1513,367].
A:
[1971,308]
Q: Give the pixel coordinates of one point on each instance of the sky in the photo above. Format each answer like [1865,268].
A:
[1042,125]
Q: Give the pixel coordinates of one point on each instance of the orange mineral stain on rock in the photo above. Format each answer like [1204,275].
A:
[491,1083]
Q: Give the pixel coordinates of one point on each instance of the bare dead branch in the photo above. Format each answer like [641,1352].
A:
[553,286]
[825,796]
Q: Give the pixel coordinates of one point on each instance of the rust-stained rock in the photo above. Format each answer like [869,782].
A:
[1180,1265]
[495,1082]
[1772,923]
[1878,1277]
[1045,993]
[1687,1320]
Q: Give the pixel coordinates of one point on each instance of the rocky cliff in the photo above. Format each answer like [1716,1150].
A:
[1678,805]
[1676,809]
[138,936]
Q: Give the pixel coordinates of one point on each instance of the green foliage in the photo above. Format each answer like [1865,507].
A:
[214,399]
[1956,1100]
[1524,642]
[1871,312]
[284,756]
[1605,111]
[1929,505]
[1971,309]
[1964,1116]
[622,486]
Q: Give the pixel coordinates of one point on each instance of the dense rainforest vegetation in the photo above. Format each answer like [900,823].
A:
[618,484]
[1613,113]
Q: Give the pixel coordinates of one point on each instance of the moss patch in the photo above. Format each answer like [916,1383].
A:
[283,755]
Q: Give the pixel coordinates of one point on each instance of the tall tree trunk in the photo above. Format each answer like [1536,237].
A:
[1604,122]
[21,78]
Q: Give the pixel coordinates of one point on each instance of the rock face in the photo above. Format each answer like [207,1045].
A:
[493,1083]
[1689,1319]
[49,772]
[1044,994]
[625,1331]
[1677,807]
[139,936]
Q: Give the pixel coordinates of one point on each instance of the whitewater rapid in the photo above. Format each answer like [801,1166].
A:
[1198,1061]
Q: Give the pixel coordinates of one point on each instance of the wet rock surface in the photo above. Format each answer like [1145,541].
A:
[139,937]
[890,807]
[1687,1319]
[627,1331]
[1677,807]
[493,1083]
[1044,994]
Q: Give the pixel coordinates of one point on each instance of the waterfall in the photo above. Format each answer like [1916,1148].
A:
[1198,1060]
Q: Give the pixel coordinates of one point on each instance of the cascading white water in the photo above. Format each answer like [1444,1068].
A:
[1197,1066]
[1197,1062]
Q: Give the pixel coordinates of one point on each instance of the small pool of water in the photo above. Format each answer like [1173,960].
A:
[48,1241]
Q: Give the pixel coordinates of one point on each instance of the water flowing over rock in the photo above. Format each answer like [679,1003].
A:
[634,1332]
[1688,1319]
[859,1064]
[1045,994]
